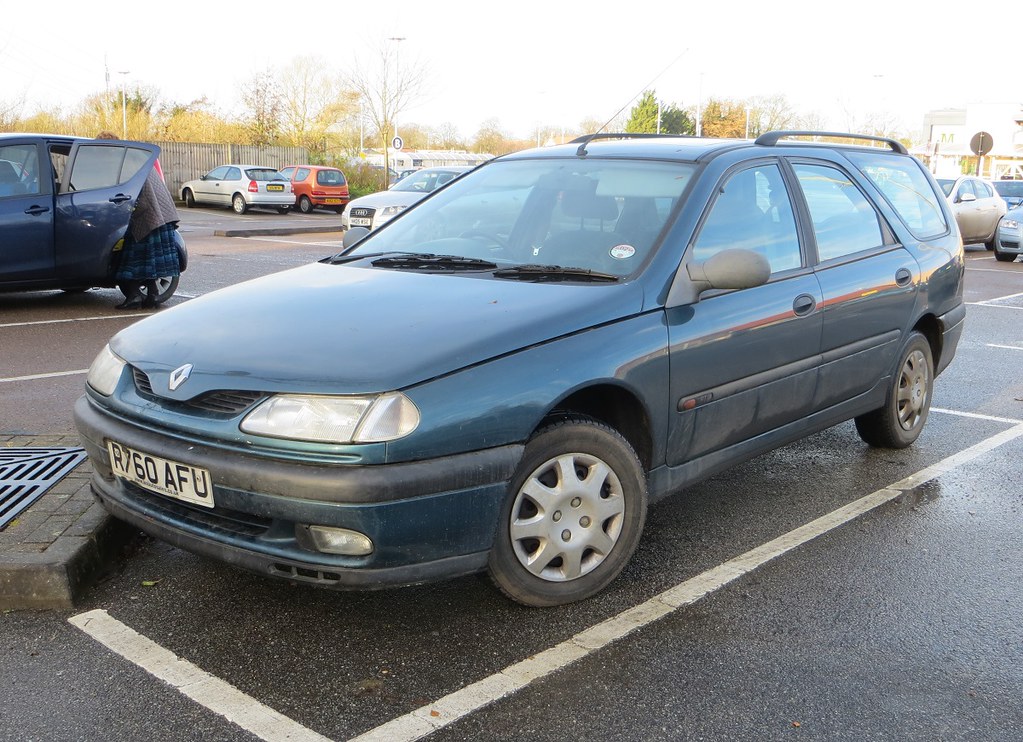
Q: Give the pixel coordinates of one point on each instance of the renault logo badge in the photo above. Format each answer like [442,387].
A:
[179,376]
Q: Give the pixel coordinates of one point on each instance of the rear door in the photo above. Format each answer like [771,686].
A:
[26,212]
[100,185]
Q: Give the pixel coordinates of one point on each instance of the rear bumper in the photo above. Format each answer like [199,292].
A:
[951,325]
[427,520]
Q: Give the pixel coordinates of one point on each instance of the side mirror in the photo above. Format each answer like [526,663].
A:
[353,235]
[202,177]
[966,198]
[728,269]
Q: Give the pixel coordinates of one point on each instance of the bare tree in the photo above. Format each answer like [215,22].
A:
[386,89]
[263,97]
[10,113]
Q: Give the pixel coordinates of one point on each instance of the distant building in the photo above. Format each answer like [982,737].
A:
[948,133]
[408,159]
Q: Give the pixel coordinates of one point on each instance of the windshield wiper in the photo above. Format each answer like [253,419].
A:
[430,262]
[533,272]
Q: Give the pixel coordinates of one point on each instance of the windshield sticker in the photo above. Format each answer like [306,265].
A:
[622,252]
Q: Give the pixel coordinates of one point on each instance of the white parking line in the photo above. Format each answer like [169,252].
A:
[268,724]
[213,693]
[332,243]
[1006,347]
[53,375]
[74,319]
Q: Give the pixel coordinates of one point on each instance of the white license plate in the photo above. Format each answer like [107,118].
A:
[192,484]
[360,221]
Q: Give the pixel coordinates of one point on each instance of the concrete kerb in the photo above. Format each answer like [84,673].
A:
[57,548]
[277,231]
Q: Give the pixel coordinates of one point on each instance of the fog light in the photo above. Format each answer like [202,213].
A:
[340,541]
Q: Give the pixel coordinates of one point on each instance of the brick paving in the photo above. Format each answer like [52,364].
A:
[54,549]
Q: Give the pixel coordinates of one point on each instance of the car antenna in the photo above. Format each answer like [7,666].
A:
[581,152]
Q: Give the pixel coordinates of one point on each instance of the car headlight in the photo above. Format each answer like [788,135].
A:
[324,419]
[1010,223]
[105,371]
[392,210]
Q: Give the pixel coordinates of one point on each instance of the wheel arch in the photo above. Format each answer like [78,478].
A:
[615,406]
[930,328]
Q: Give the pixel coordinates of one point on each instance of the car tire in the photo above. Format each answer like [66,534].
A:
[284,209]
[573,515]
[305,205]
[339,210]
[1004,257]
[165,288]
[899,422]
[189,198]
[238,204]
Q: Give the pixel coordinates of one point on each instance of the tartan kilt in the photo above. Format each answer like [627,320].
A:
[156,256]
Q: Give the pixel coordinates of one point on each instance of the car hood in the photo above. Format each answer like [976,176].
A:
[344,329]
[387,198]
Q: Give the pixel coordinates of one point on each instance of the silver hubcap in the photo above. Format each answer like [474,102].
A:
[567,517]
[913,383]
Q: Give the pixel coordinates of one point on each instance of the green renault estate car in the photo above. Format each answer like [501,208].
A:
[507,374]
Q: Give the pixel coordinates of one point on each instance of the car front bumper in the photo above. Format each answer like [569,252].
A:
[1010,240]
[427,520]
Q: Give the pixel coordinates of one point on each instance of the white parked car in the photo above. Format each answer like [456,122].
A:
[240,187]
[977,208]
[377,208]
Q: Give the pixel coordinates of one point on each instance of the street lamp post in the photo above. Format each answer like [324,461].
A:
[397,83]
[124,105]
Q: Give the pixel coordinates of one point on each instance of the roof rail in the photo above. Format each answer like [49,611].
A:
[771,138]
[624,135]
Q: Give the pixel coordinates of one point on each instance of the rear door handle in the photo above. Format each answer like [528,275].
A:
[903,277]
[803,305]
[120,198]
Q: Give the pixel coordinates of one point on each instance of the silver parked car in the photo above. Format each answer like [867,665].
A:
[240,187]
[1009,240]
[377,208]
[977,208]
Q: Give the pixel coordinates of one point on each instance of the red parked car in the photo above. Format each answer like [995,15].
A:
[317,185]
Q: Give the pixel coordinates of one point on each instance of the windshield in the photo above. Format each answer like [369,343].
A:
[598,215]
[425,181]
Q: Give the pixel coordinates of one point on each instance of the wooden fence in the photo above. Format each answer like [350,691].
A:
[184,161]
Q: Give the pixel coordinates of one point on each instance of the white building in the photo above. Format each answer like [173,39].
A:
[948,134]
[408,159]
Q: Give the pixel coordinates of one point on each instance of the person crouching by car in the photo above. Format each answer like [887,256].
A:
[149,251]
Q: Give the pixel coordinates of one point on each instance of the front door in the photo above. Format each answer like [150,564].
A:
[101,182]
[745,362]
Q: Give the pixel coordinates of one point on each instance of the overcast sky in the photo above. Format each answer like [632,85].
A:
[526,63]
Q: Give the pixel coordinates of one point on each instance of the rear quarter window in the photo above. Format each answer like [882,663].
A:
[907,189]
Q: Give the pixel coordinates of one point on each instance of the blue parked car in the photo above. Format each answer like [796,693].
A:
[65,203]
[505,376]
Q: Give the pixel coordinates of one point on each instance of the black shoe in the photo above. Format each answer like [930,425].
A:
[149,302]
[132,302]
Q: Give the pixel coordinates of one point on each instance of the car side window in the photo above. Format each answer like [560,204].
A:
[233,173]
[752,211]
[844,220]
[217,173]
[302,173]
[908,190]
[982,189]
[19,170]
[288,172]
[965,187]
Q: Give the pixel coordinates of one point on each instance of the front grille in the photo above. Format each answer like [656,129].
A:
[220,520]
[361,212]
[221,402]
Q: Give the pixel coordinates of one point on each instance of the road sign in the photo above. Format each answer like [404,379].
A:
[397,143]
[981,143]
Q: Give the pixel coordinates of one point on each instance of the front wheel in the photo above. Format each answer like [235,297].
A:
[165,288]
[238,204]
[899,422]
[573,515]
[189,198]
[1004,257]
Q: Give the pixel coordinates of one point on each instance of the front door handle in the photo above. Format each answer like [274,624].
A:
[120,198]
[803,305]
[37,210]
[903,277]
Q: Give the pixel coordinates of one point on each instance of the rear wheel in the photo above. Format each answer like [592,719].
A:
[189,198]
[339,210]
[305,205]
[165,288]
[573,515]
[284,209]
[899,422]
[238,204]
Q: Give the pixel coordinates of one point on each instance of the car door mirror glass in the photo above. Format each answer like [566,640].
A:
[966,198]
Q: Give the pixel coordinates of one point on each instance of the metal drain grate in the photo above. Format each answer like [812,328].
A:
[27,473]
